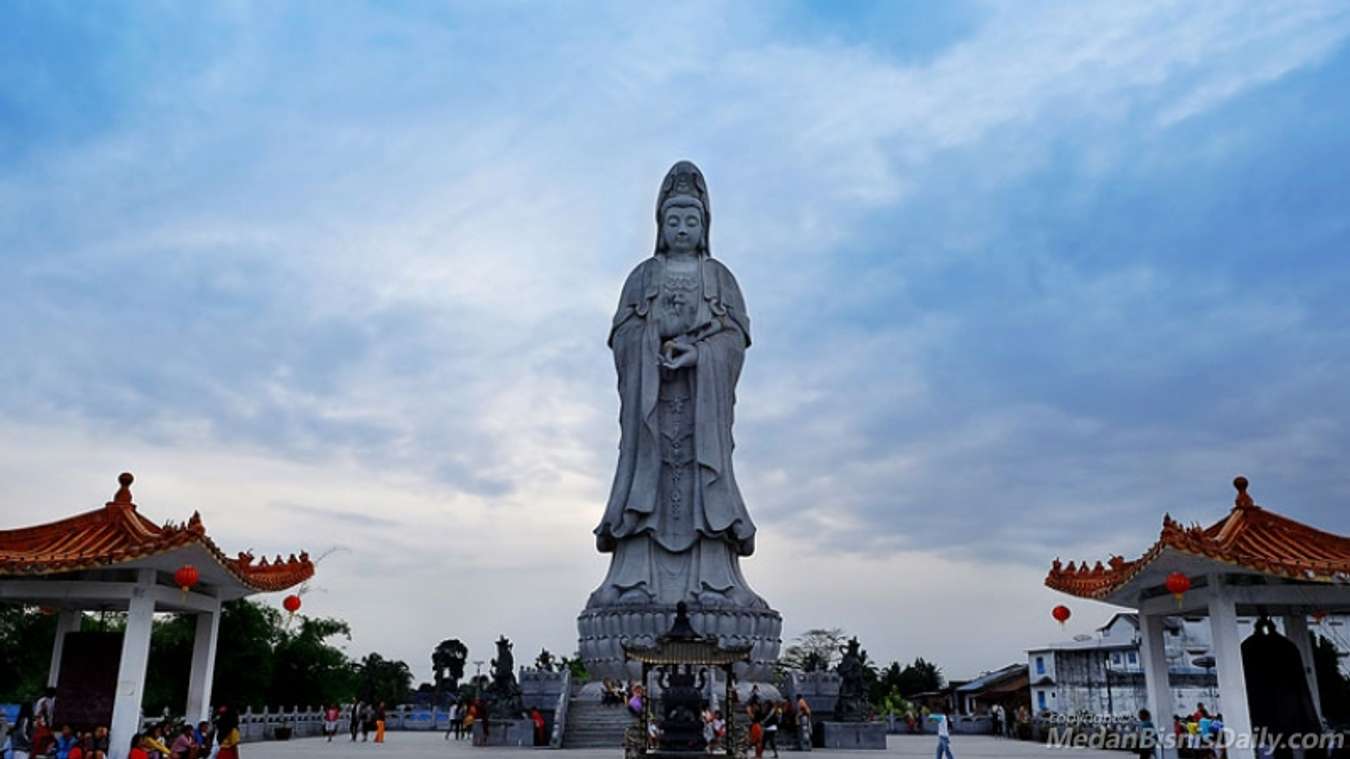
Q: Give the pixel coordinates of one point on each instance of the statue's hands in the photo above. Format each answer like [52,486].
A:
[682,355]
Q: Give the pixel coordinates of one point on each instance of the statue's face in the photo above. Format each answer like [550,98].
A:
[682,228]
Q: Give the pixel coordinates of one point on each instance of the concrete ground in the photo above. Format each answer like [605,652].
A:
[428,745]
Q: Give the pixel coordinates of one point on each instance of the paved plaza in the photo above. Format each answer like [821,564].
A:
[427,745]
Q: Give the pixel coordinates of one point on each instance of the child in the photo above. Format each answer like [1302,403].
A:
[1146,737]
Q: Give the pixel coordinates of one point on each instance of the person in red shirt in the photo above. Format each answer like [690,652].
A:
[537,719]
[136,751]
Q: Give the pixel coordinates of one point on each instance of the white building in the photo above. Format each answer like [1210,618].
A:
[1102,675]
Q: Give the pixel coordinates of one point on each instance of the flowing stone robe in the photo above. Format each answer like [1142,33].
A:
[675,520]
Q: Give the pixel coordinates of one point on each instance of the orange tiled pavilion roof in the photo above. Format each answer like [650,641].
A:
[1249,538]
[117,534]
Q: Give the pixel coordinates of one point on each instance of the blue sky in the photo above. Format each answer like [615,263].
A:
[1023,277]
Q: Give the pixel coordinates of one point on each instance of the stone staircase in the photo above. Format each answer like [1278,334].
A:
[591,725]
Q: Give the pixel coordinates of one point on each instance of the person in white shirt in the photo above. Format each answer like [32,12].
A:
[46,706]
[944,747]
[450,727]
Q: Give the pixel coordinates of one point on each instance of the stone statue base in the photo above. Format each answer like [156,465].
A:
[864,735]
[603,630]
[504,732]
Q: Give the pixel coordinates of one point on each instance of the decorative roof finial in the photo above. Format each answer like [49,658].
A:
[1243,500]
[123,495]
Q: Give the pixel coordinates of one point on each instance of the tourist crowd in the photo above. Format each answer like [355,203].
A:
[1197,734]
[33,737]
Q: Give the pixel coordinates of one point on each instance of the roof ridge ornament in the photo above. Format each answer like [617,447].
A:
[1243,501]
[123,495]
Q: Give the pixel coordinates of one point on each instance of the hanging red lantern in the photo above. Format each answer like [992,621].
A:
[1177,584]
[291,603]
[1319,616]
[186,577]
[1061,614]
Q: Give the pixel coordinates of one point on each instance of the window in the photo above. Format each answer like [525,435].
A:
[1115,659]
[1040,700]
[1040,670]
[1133,658]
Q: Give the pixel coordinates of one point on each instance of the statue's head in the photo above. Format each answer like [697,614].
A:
[683,215]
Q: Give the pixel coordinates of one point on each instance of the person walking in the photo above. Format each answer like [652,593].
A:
[944,747]
[227,733]
[379,723]
[771,723]
[355,726]
[1147,735]
[367,721]
[470,716]
[450,720]
[330,721]
[756,729]
[803,724]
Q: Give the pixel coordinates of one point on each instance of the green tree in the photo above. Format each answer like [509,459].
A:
[307,671]
[815,650]
[166,677]
[384,680]
[248,636]
[447,664]
[919,677]
[26,636]
[260,659]
[576,666]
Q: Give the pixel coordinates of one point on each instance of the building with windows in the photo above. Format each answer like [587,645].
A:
[1103,675]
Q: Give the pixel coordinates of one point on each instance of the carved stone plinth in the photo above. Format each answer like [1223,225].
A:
[504,732]
[602,633]
[864,735]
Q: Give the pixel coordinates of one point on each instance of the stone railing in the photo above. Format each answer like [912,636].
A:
[560,711]
[307,722]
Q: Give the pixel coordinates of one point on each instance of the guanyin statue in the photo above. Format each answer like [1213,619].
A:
[676,524]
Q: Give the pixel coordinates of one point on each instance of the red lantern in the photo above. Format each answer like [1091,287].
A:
[1061,614]
[186,577]
[291,603]
[1177,584]
[1319,616]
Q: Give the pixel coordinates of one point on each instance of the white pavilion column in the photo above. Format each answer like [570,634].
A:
[1228,667]
[68,621]
[203,666]
[1296,629]
[1153,653]
[131,670]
